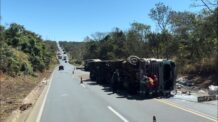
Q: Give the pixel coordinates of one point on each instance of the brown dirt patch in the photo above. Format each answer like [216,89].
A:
[14,89]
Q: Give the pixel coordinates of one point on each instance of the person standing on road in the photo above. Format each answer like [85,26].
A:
[115,80]
[73,70]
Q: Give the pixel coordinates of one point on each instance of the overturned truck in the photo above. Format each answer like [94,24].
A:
[144,76]
[163,71]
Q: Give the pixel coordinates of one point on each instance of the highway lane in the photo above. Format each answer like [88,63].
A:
[139,110]
[68,101]
[207,108]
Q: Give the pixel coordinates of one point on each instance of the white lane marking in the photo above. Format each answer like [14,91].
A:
[64,95]
[116,113]
[44,100]
[83,85]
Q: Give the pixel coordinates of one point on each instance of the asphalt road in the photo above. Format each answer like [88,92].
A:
[69,101]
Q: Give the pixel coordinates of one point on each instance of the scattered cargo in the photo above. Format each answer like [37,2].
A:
[213,90]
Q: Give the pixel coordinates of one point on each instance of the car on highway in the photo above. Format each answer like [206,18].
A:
[59,57]
[61,67]
[65,58]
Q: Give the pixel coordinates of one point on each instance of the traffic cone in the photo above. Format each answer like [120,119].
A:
[154,119]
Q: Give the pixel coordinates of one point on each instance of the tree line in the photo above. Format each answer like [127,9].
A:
[75,51]
[23,51]
[190,39]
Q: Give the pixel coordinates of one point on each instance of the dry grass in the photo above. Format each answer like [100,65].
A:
[203,67]
[14,89]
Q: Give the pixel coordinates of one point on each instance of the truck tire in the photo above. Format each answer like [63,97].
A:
[133,60]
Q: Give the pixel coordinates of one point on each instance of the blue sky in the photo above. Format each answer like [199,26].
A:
[73,20]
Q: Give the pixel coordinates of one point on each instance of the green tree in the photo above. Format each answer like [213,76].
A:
[23,51]
[208,4]
[154,44]
[161,14]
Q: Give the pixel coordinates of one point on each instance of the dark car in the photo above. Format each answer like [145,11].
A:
[61,67]
[65,58]
[59,57]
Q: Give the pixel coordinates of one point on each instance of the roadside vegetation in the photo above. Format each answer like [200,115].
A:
[189,39]
[25,60]
[24,52]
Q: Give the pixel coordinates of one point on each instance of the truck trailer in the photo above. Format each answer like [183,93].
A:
[135,75]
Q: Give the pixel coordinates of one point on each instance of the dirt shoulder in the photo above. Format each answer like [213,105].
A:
[14,92]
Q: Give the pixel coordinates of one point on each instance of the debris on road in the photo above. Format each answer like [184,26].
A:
[187,90]
[213,90]
[185,82]
[202,91]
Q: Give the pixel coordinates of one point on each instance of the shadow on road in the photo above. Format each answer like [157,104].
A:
[92,83]
[122,94]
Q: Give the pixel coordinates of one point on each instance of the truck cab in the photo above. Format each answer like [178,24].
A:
[165,71]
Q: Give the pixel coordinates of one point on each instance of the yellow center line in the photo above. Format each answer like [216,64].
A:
[188,110]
